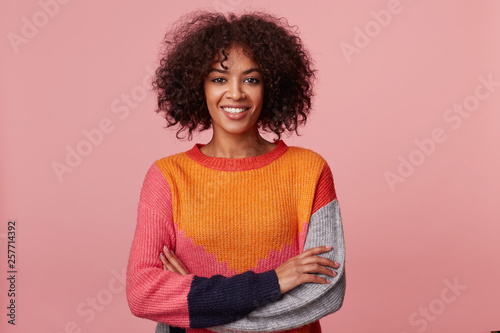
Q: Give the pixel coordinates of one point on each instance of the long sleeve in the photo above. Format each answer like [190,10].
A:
[310,301]
[183,301]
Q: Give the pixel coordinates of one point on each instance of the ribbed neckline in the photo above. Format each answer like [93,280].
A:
[236,164]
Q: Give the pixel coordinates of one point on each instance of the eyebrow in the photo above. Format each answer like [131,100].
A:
[224,71]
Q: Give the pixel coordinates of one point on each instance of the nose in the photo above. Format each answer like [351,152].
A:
[235,91]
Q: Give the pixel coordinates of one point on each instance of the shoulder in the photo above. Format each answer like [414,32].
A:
[171,159]
[159,169]
[158,177]
[172,162]
[306,157]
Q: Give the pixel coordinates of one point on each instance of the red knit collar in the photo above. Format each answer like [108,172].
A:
[236,164]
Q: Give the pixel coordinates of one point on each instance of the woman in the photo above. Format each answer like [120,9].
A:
[236,234]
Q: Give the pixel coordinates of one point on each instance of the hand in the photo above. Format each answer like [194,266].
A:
[297,269]
[172,263]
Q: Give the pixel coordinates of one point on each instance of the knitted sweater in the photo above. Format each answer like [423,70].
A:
[232,222]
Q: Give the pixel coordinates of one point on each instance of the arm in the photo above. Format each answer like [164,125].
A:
[183,301]
[311,301]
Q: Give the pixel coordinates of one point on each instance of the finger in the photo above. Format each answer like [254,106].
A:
[313,253]
[163,263]
[163,260]
[176,262]
[166,251]
[316,268]
[185,271]
[315,250]
[167,265]
[320,260]
[314,279]
[180,264]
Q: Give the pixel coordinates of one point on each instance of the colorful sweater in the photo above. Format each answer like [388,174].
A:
[232,222]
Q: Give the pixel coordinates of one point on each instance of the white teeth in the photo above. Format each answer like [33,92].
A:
[234,110]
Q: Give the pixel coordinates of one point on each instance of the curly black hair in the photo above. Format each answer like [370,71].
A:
[199,37]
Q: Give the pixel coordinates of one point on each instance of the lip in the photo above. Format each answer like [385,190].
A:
[235,116]
[235,106]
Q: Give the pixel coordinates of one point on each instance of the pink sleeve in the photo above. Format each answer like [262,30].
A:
[153,292]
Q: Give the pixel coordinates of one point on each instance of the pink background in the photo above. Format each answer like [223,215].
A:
[407,241]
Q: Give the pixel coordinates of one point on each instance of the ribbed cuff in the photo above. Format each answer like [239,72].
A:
[220,300]
[268,287]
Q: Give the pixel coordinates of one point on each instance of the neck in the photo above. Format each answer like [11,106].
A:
[229,145]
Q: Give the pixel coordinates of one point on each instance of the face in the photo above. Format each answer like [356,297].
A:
[234,95]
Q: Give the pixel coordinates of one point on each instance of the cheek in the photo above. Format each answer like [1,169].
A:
[212,94]
[209,96]
[258,96]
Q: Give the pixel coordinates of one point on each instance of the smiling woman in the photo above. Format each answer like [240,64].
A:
[234,96]
[238,234]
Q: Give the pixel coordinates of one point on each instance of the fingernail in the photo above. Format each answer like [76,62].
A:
[162,256]
[329,247]
[336,263]
[165,248]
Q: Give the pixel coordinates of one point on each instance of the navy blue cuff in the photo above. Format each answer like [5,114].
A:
[220,300]
[270,290]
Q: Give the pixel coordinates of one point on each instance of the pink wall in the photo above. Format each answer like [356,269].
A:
[417,179]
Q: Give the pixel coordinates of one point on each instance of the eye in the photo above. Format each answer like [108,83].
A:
[218,80]
[252,80]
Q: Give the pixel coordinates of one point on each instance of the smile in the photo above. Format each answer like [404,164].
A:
[234,110]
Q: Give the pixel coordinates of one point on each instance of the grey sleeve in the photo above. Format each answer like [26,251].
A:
[162,328]
[310,301]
